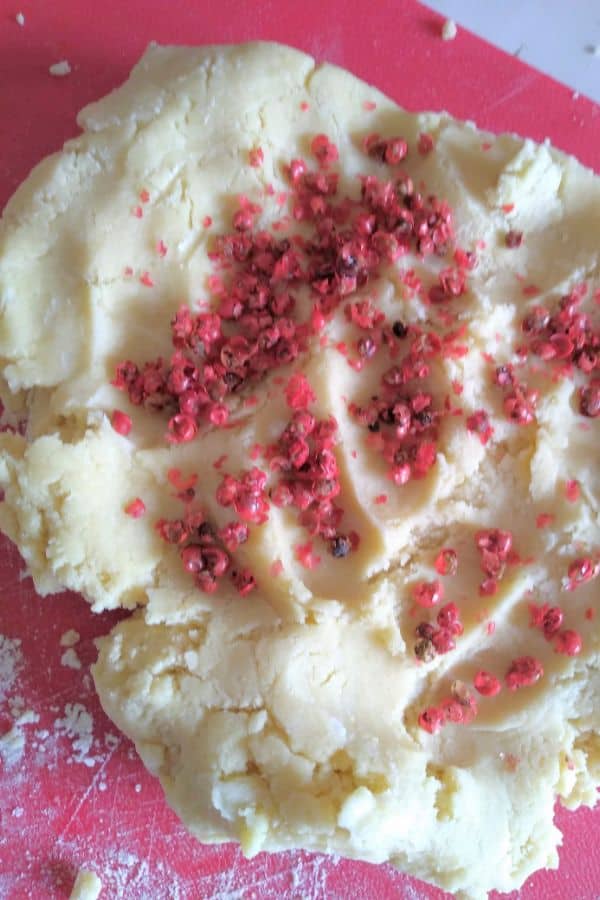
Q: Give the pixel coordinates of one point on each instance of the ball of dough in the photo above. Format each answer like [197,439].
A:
[311,383]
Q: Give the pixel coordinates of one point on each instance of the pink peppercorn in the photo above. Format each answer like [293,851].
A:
[486,684]
[513,239]
[234,534]
[324,151]
[568,642]
[428,593]
[552,621]
[256,157]
[136,508]
[479,424]
[182,428]
[432,719]
[244,581]
[425,144]
[443,640]
[172,531]
[453,711]
[305,555]
[523,672]
[121,422]
[581,570]
[446,562]
[298,392]
[276,568]
[449,617]
[572,490]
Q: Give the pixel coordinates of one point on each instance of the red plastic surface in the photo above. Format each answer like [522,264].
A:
[56,813]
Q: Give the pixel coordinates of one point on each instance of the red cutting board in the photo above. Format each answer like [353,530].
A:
[56,812]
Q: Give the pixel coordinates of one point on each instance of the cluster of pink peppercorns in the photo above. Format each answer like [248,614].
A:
[495,547]
[438,638]
[307,470]
[404,428]
[205,551]
[568,338]
[479,423]
[519,400]
[549,620]
[495,550]
[459,709]
[254,330]
[246,495]
[524,671]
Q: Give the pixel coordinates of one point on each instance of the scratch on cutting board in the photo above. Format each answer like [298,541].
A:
[521,85]
[115,780]
[88,791]
[301,877]
[148,855]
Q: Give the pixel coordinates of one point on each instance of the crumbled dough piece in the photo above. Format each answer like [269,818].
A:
[69,638]
[12,745]
[290,717]
[70,659]
[449,30]
[60,69]
[12,742]
[87,886]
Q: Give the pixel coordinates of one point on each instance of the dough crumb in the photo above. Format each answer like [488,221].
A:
[70,659]
[60,69]
[12,743]
[12,746]
[11,661]
[593,49]
[87,886]
[69,638]
[449,30]
[78,726]
[20,19]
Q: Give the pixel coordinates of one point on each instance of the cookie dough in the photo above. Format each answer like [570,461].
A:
[397,657]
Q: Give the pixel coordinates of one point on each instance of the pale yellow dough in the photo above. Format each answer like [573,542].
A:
[87,886]
[289,718]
